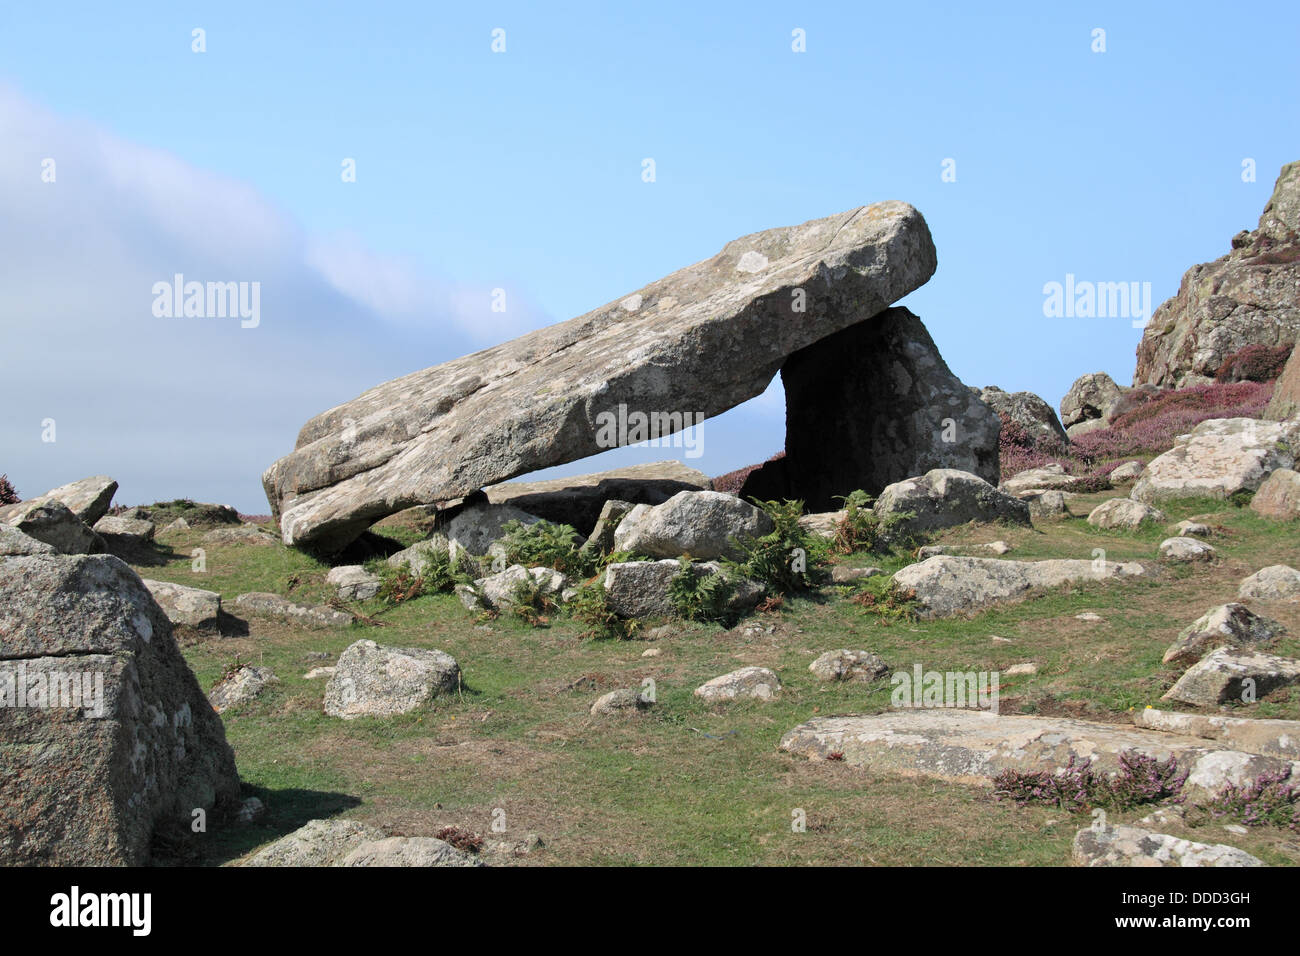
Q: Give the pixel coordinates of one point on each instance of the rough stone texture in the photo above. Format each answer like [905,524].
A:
[88,499]
[601,539]
[118,531]
[699,341]
[1192,529]
[1187,549]
[930,550]
[419,555]
[240,687]
[972,747]
[1271,738]
[14,543]
[640,588]
[87,790]
[1279,496]
[823,523]
[1129,471]
[1047,504]
[1091,399]
[755,683]
[1219,458]
[1051,476]
[407,851]
[1027,409]
[1285,402]
[244,534]
[947,585]
[845,575]
[316,843]
[849,666]
[375,681]
[944,498]
[1227,625]
[272,605]
[577,501]
[1251,296]
[621,701]
[52,522]
[1277,582]
[869,406]
[194,607]
[702,524]
[352,582]
[476,526]
[1220,676]
[1122,845]
[497,591]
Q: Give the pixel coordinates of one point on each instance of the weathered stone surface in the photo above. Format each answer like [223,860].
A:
[972,747]
[1251,296]
[1187,550]
[14,543]
[1279,496]
[240,687]
[1220,676]
[52,522]
[418,556]
[1026,409]
[823,523]
[1277,582]
[601,540]
[754,683]
[476,526]
[699,341]
[497,591]
[1254,735]
[186,605]
[1047,504]
[124,536]
[849,665]
[88,499]
[946,585]
[352,582]
[930,550]
[244,534]
[702,524]
[622,701]
[1192,529]
[1219,458]
[316,843]
[577,501]
[944,498]
[273,605]
[375,681]
[1091,399]
[869,406]
[1232,625]
[1285,402]
[845,575]
[640,588]
[1129,471]
[407,851]
[88,785]
[1051,476]
[1122,845]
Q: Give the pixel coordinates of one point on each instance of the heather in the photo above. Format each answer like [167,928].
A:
[1254,363]
[732,480]
[1139,780]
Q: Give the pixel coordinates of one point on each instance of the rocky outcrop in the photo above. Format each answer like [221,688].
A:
[1251,296]
[944,498]
[1285,402]
[1123,845]
[1233,673]
[105,734]
[947,585]
[52,522]
[968,746]
[1279,496]
[577,501]
[266,604]
[1277,582]
[374,681]
[1026,409]
[869,406]
[702,524]
[1090,403]
[697,342]
[1219,458]
[348,843]
[1253,735]
[88,499]
[1231,625]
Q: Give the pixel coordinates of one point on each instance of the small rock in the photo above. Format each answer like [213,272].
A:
[757,683]
[123,532]
[620,701]
[1221,676]
[651,652]
[240,687]
[353,582]
[272,605]
[1274,583]
[52,522]
[1017,670]
[1129,471]
[408,852]
[1279,496]
[1089,616]
[1192,529]
[186,605]
[251,809]
[1123,513]
[1046,504]
[244,534]
[843,575]
[846,665]
[1133,846]
[1187,550]
[1228,624]
[318,672]
[375,681]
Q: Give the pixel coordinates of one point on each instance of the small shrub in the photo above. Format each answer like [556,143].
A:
[461,839]
[732,481]
[786,559]
[885,599]
[545,544]
[591,609]
[1272,800]
[399,585]
[8,496]
[530,602]
[699,597]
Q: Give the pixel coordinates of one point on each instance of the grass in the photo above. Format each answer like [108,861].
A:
[689,783]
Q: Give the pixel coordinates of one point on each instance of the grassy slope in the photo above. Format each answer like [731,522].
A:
[693,784]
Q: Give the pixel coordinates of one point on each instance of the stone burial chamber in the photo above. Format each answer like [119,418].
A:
[811,298]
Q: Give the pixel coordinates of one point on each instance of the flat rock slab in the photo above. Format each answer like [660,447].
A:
[1219,458]
[1134,846]
[88,498]
[972,747]
[1255,735]
[272,605]
[946,584]
[751,683]
[699,342]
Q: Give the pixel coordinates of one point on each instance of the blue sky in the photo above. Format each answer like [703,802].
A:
[522,170]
